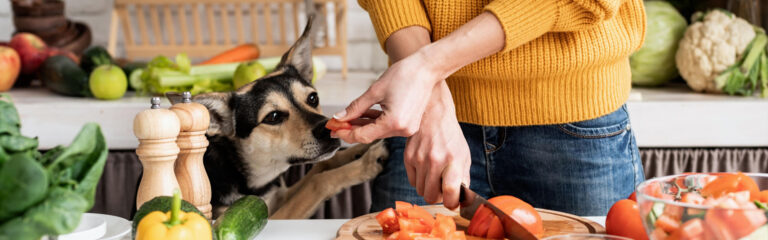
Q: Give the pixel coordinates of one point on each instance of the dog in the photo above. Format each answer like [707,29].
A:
[261,129]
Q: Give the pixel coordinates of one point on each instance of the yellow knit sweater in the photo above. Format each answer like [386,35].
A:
[563,61]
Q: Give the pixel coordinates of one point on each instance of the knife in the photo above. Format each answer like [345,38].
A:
[470,201]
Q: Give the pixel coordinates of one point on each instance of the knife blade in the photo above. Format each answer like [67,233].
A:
[470,201]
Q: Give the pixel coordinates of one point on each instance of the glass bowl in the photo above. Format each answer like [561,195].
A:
[679,207]
[586,236]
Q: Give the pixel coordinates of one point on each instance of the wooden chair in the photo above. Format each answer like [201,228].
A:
[167,27]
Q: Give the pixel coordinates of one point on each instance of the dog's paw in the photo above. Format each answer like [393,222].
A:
[379,152]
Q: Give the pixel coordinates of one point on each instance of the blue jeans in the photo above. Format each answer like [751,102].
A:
[580,168]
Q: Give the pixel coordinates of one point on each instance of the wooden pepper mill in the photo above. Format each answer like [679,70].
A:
[190,171]
[156,129]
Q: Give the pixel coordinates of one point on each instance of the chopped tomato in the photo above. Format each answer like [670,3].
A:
[388,221]
[734,224]
[394,236]
[419,213]
[624,220]
[458,235]
[667,223]
[334,124]
[633,196]
[693,198]
[522,212]
[401,207]
[658,234]
[692,229]
[729,183]
[413,225]
[444,227]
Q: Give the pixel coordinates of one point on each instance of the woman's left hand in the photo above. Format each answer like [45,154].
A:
[437,157]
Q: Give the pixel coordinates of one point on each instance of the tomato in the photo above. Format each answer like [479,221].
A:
[401,207]
[388,221]
[763,196]
[729,183]
[633,196]
[496,229]
[693,198]
[692,229]
[522,212]
[444,227]
[624,220]
[733,224]
[415,223]
[334,125]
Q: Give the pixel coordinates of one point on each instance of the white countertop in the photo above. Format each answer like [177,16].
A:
[667,117]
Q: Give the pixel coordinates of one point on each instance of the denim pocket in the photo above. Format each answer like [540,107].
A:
[609,125]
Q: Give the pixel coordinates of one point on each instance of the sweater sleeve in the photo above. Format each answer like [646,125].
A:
[525,20]
[388,16]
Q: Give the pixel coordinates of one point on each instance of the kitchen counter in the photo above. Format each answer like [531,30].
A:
[665,117]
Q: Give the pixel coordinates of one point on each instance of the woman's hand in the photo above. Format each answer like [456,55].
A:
[437,157]
[403,92]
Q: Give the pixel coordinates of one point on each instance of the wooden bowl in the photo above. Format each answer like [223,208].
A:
[39,24]
[38,9]
[82,41]
[64,38]
[55,33]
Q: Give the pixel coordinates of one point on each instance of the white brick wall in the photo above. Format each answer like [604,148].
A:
[364,53]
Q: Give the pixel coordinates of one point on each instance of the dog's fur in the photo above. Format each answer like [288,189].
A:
[258,131]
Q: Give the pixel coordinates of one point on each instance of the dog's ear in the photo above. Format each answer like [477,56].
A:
[222,120]
[299,56]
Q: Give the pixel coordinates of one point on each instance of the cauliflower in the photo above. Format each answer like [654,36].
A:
[712,46]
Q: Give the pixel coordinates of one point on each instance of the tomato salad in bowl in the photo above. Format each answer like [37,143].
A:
[705,206]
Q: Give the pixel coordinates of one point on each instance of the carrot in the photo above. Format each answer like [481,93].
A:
[240,53]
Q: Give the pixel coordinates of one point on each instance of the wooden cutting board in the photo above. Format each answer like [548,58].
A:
[555,223]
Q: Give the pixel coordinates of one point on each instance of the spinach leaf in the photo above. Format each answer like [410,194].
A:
[18,143]
[81,163]
[9,117]
[59,213]
[24,183]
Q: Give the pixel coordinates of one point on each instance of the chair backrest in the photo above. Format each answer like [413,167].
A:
[202,28]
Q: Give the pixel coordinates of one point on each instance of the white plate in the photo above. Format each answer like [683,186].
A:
[91,227]
[117,227]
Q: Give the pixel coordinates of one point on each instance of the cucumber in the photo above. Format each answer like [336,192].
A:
[243,220]
[62,75]
[163,204]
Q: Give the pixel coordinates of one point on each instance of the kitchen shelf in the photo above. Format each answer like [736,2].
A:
[672,116]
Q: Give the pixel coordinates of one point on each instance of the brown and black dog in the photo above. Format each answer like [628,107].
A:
[261,129]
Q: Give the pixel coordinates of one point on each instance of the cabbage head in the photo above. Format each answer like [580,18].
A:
[654,63]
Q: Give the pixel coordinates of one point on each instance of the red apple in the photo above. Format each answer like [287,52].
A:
[9,67]
[31,49]
[55,51]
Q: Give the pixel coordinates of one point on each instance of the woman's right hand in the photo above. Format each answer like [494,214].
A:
[402,92]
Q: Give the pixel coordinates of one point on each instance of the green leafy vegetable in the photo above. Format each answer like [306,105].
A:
[45,194]
[654,63]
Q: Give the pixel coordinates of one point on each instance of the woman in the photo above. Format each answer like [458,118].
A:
[516,97]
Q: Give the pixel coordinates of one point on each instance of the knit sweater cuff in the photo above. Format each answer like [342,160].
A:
[388,16]
[523,20]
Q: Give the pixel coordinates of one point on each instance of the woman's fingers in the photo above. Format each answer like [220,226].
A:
[409,158]
[358,107]
[452,178]
[432,186]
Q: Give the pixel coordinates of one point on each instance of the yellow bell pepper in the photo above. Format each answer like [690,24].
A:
[173,225]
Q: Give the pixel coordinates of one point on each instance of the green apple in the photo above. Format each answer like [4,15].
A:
[248,72]
[108,82]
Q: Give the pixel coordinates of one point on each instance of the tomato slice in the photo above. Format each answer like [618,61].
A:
[692,229]
[495,230]
[519,210]
[388,221]
[729,183]
[444,227]
[480,222]
[624,220]
[734,224]
[334,124]
[763,196]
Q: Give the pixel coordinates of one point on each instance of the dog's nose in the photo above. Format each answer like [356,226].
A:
[320,132]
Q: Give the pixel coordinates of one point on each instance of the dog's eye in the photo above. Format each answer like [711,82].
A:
[313,100]
[274,118]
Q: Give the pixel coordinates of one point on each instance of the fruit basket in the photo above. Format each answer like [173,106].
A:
[705,206]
